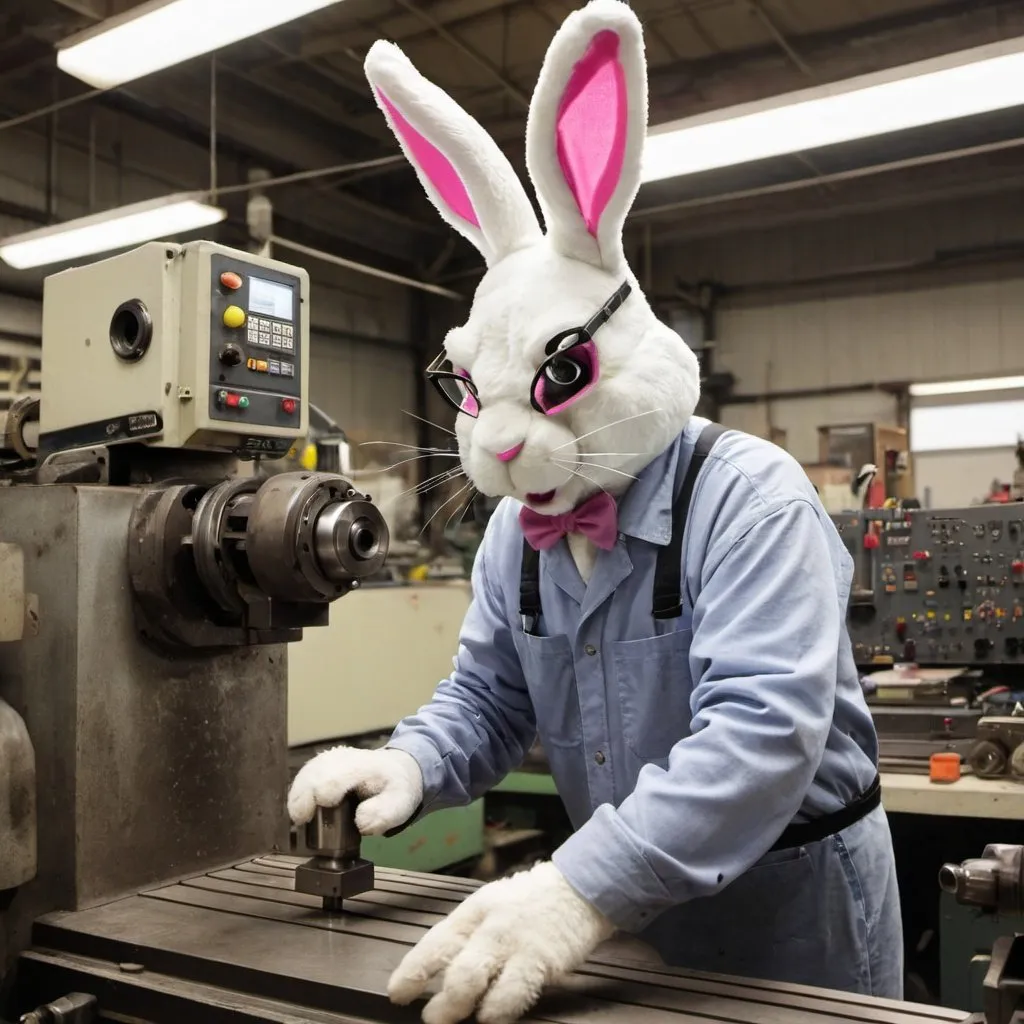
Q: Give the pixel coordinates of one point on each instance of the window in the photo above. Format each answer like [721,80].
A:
[965,425]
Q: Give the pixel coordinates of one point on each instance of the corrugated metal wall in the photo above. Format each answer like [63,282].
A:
[859,301]
[943,331]
[364,389]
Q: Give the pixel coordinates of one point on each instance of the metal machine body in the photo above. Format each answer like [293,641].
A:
[148,765]
[150,582]
[994,883]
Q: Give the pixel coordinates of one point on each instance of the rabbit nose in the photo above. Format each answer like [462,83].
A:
[510,453]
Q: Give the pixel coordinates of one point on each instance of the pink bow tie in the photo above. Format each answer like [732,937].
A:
[597,518]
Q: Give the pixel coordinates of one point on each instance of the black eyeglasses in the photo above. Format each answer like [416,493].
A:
[569,371]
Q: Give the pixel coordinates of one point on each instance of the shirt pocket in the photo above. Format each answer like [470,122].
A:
[653,680]
[550,675]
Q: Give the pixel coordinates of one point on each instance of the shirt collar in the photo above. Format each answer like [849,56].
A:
[645,510]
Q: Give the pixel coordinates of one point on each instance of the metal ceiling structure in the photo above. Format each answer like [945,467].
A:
[296,99]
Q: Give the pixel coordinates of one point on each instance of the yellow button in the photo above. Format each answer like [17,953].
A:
[261,366]
[234,316]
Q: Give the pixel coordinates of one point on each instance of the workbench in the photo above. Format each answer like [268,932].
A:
[969,797]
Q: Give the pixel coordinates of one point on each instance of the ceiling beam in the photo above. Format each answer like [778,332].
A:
[402,28]
[469,51]
[780,38]
[999,174]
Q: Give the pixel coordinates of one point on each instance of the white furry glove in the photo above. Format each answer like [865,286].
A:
[388,782]
[501,947]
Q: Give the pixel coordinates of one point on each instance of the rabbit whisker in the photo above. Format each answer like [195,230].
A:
[429,423]
[415,458]
[409,447]
[464,509]
[444,503]
[593,465]
[615,423]
[427,485]
[577,472]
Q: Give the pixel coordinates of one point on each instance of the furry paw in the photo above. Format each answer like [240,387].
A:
[500,948]
[388,782]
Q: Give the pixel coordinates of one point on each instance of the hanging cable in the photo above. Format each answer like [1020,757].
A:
[213,128]
[50,108]
[320,172]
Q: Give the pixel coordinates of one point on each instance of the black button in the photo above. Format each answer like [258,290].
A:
[599,757]
[590,649]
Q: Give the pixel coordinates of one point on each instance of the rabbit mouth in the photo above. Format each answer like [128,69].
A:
[541,499]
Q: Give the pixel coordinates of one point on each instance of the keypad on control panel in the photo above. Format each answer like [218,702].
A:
[271,334]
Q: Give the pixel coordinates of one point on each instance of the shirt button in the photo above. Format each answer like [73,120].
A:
[599,757]
[590,649]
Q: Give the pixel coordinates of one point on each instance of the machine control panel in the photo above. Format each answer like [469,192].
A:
[937,587]
[195,346]
[255,350]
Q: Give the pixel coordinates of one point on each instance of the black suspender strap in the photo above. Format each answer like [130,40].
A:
[668,589]
[668,599]
[529,588]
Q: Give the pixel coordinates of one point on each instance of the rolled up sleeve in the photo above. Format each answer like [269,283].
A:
[480,722]
[766,625]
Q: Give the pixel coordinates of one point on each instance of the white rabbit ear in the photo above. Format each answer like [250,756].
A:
[586,130]
[465,174]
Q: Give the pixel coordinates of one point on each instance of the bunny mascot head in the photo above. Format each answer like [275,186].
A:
[565,381]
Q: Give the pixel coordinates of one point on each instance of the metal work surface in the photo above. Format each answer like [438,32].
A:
[239,944]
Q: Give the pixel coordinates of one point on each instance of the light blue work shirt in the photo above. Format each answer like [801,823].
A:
[682,748]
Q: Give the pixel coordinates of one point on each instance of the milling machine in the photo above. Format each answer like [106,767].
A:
[150,585]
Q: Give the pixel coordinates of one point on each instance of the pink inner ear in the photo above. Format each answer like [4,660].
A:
[435,165]
[592,125]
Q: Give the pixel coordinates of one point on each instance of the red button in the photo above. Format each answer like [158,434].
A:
[288,405]
[230,280]
[870,541]
[232,401]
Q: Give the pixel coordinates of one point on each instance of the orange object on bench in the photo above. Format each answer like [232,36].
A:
[944,767]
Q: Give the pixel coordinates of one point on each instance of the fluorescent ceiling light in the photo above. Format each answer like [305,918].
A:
[963,84]
[966,387]
[114,229]
[162,33]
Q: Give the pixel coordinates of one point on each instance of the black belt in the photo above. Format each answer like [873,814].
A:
[808,832]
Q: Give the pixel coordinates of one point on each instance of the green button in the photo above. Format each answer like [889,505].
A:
[243,402]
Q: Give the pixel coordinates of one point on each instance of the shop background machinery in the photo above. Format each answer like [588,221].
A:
[936,619]
[151,581]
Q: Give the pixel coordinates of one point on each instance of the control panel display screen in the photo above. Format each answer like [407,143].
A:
[268,298]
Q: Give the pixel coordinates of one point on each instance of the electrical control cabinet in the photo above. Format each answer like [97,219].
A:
[180,346]
[937,587]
